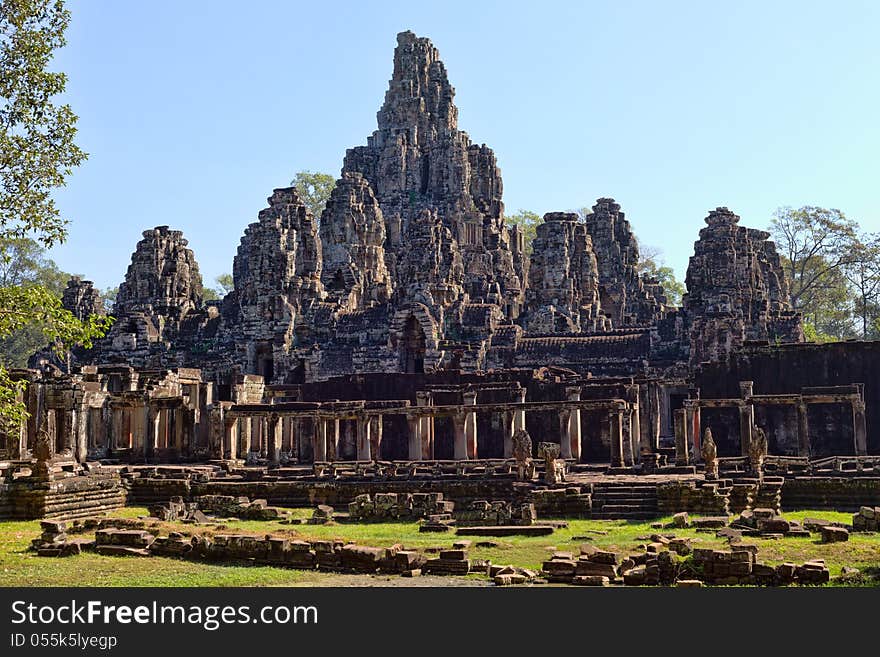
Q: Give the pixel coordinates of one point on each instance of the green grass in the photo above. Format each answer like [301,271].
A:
[20,567]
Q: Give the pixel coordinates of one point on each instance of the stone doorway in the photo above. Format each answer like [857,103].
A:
[412,347]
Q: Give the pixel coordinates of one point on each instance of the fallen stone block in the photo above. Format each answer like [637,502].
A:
[590,580]
[831,534]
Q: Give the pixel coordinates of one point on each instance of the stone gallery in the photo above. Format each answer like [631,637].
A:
[407,343]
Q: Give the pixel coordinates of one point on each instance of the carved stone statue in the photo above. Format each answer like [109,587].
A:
[43,454]
[554,467]
[522,452]
[710,454]
[758,450]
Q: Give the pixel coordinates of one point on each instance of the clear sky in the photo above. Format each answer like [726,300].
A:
[192,112]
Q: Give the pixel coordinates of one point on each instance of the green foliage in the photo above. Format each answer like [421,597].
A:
[23,261]
[651,267]
[815,244]
[833,269]
[37,152]
[314,188]
[527,221]
[226,283]
[109,297]
[812,334]
[22,567]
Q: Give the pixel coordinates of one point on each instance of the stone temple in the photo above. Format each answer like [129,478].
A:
[405,338]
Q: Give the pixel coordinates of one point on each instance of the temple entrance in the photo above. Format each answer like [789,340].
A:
[265,363]
[412,347]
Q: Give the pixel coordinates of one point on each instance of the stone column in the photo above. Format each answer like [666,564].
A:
[692,413]
[81,433]
[509,420]
[519,416]
[860,435]
[459,444]
[573,432]
[334,439]
[803,430]
[244,431]
[69,429]
[265,437]
[626,430]
[413,425]
[275,436]
[636,433]
[320,448]
[425,398]
[364,452]
[151,428]
[654,403]
[746,422]
[230,438]
[746,416]
[287,444]
[117,416]
[376,437]
[615,421]
[179,425]
[564,440]
[681,437]
[470,426]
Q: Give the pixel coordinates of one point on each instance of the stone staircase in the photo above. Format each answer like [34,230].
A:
[625,501]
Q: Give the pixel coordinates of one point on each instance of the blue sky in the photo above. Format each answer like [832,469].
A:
[192,112]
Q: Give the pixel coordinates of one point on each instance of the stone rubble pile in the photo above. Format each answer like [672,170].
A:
[384,507]
[704,498]
[495,512]
[511,575]
[569,502]
[55,542]
[449,562]
[220,506]
[767,522]
[124,542]
[867,519]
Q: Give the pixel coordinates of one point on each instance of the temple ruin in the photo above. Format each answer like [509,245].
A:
[405,340]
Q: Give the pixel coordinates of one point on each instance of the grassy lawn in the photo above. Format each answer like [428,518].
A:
[20,567]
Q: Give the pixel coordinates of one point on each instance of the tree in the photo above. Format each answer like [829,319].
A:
[862,271]
[651,266]
[314,188]
[109,297]
[23,262]
[37,154]
[225,286]
[814,244]
[226,283]
[527,221]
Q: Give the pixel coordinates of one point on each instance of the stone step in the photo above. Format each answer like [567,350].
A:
[624,510]
[627,515]
[648,505]
[624,486]
[624,494]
